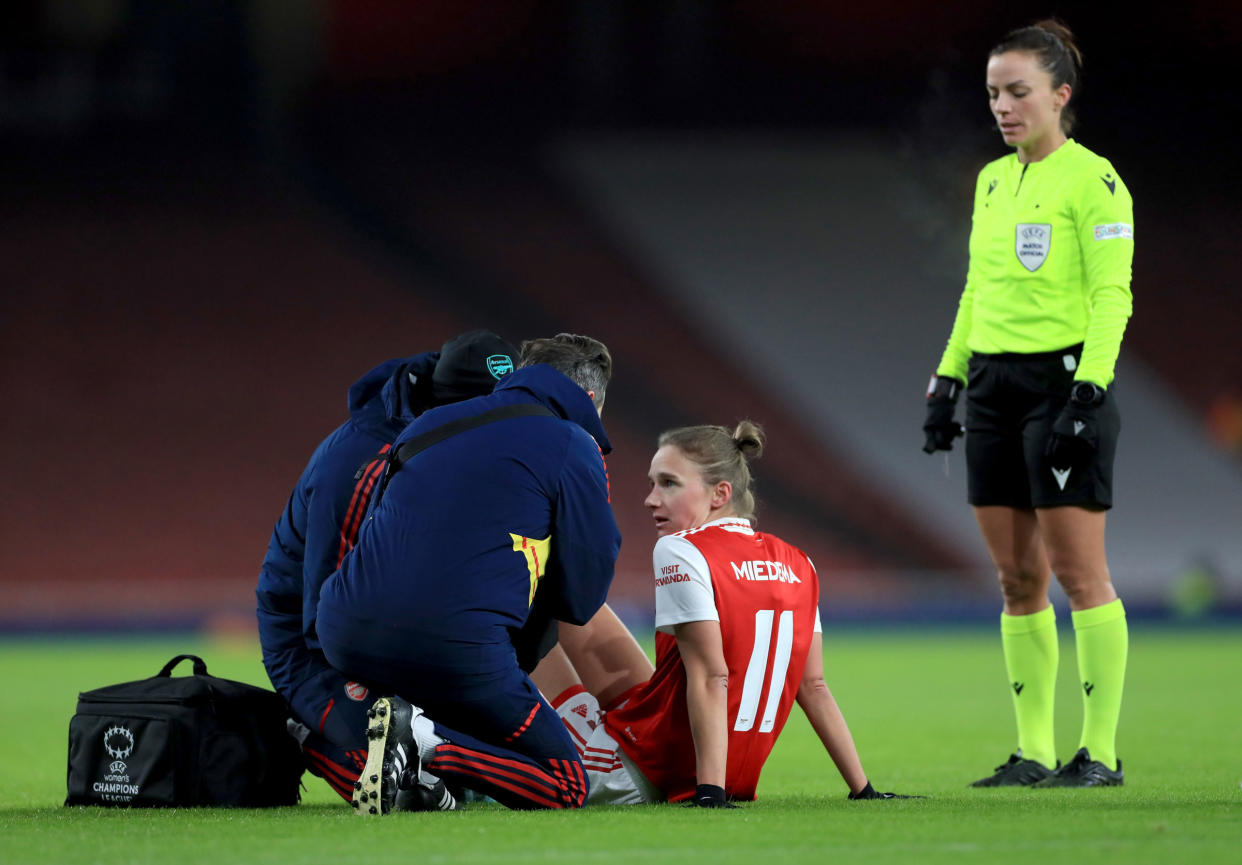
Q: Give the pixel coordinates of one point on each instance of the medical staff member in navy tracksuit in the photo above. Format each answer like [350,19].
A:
[320,524]
[459,543]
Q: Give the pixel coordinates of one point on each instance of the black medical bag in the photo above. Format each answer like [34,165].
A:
[182,741]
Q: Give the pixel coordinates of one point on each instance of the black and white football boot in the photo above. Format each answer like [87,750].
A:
[393,764]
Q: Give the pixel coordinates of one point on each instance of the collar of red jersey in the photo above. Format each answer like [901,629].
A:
[729,524]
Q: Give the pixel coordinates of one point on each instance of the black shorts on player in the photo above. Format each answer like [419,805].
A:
[1012,400]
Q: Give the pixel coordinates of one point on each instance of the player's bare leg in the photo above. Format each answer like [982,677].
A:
[605,655]
[601,655]
[1074,539]
[555,674]
[592,666]
[1013,539]
[1029,638]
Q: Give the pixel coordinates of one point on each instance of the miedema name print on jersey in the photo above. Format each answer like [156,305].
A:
[762,571]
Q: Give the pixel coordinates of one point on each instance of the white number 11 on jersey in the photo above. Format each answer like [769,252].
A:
[758,666]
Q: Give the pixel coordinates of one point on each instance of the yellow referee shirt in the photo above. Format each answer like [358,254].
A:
[1051,246]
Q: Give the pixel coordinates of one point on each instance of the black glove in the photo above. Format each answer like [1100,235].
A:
[709,796]
[1075,435]
[870,792]
[940,426]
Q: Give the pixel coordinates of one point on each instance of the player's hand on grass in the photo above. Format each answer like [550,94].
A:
[940,427]
[709,796]
[870,792]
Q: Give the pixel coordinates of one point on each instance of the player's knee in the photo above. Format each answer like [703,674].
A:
[1076,564]
[1020,584]
[1082,584]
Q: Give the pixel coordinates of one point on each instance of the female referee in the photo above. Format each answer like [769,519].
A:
[738,641]
[1035,340]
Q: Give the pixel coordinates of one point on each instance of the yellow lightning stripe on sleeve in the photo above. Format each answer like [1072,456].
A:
[536,553]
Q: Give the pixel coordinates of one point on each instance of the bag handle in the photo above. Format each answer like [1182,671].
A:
[200,666]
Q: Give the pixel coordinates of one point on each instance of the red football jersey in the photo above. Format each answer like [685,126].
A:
[766,597]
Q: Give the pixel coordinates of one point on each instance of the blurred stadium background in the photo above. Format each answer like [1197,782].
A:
[216,215]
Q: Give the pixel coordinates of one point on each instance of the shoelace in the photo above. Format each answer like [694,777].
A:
[1013,758]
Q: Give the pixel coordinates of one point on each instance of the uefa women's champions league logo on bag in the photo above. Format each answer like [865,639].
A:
[190,740]
[119,743]
[116,785]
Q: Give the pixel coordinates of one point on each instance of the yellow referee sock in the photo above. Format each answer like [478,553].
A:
[1031,656]
[1103,643]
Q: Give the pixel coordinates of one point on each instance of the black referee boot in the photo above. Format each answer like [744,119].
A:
[1082,771]
[1017,772]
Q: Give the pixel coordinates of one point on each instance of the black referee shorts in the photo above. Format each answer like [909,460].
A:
[1011,403]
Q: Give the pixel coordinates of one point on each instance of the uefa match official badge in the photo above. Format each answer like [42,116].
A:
[1031,243]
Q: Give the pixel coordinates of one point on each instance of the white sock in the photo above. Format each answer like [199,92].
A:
[580,713]
[425,735]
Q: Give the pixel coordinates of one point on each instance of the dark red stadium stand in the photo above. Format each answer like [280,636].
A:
[171,358]
[174,349]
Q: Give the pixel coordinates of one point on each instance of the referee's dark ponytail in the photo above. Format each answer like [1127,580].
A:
[1053,43]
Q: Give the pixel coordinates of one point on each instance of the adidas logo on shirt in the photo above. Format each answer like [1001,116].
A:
[764,571]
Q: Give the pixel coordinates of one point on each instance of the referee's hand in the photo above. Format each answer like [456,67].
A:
[940,428]
[1075,435]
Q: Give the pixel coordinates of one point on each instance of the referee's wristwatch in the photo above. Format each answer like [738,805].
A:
[943,387]
[1086,394]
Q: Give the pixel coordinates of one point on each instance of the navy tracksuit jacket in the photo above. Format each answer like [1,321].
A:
[317,528]
[445,568]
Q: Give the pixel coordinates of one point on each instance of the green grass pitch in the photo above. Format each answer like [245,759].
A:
[929,710]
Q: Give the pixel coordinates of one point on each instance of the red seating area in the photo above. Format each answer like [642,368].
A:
[175,349]
[171,358]
[548,248]
[1187,316]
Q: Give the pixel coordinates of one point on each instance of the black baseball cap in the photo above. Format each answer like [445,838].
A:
[470,365]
